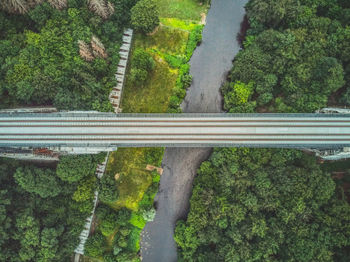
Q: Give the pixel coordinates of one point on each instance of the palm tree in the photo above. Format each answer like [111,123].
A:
[85,51]
[110,8]
[98,48]
[58,4]
[99,7]
[14,6]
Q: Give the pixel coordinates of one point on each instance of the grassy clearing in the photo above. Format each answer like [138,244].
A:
[132,187]
[181,9]
[153,97]
[134,180]
[166,40]
[171,46]
[179,24]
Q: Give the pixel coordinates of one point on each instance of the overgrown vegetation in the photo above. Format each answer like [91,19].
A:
[145,16]
[62,53]
[264,205]
[296,57]
[41,214]
[171,47]
[142,64]
[64,57]
[120,220]
[277,205]
[157,78]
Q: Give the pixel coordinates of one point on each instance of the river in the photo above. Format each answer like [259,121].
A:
[209,66]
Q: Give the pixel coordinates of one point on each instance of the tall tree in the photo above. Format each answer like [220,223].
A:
[74,168]
[39,181]
[145,16]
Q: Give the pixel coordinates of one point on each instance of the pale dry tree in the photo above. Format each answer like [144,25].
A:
[110,8]
[58,4]
[98,48]
[33,3]
[99,7]
[85,51]
[14,6]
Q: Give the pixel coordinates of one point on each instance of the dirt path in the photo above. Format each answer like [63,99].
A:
[209,65]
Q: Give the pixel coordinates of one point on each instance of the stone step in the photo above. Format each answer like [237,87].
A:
[122,63]
[121,70]
[127,39]
[128,31]
[125,47]
[124,55]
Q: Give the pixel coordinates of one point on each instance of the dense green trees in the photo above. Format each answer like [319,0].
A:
[74,168]
[107,189]
[296,55]
[142,64]
[60,53]
[65,54]
[39,181]
[41,216]
[263,205]
[33,77]
[276,205]
[236,99]
[145,16]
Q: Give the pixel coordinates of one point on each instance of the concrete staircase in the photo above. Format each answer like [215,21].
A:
[116,93]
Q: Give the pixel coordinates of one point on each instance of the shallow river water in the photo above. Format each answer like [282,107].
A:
[209,66]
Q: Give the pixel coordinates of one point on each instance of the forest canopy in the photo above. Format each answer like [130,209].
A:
[296,56]
[61,53]
[263,205]
[274,204]
[42,216]
[64,57]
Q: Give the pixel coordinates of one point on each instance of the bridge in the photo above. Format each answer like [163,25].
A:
[93,131]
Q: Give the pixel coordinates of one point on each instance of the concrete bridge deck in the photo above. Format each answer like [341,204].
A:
[107,130]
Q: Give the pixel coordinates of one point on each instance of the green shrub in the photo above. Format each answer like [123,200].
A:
[138,76]
[95,245]
[142,64]
[137,220]
[186,80]
[174,101]
[107,226]
[73,168]
[174,61]
[124,216]
[134,239]
[156,178]
[122,241]
[86,206]
[143,60]
[194,39]
[124,231]
[145,16]
[116,250]
[107,189]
